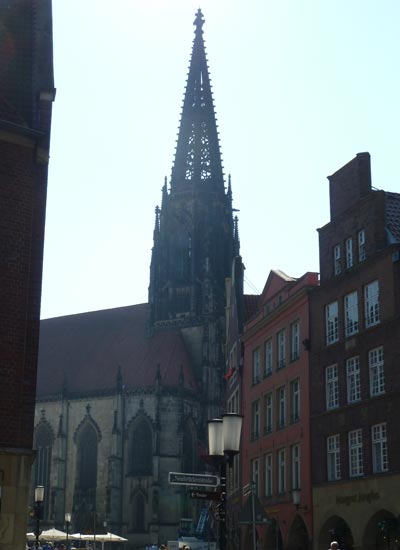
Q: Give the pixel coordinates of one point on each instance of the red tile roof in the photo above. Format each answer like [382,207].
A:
[84,352]
[250,302]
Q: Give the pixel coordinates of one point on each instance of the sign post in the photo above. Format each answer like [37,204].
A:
[204,480]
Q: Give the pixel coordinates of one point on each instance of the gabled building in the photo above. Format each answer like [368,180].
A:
[124,395]
[26,95]
[355,352]
[276,403]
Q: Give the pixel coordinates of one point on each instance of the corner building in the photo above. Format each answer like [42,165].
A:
[355,380]
[124,395]
[26,96]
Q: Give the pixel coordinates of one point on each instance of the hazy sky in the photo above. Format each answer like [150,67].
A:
[300,87]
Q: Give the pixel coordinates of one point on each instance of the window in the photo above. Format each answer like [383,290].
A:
[379,448]
[361,246]
[281,471]
[255,432]
[233,473]
[140,450]
[296,467]
[255,474]
[256,366]
[333,457]
[332,387]
[294,341]
[355,453]
[281,338]
[332,323]
[281,407]
[295,400]
[336,260]
[268,475]
[268,412]
[371,302]
[351,314]
[268,357]
[376,372]
[349,253]
[353,379]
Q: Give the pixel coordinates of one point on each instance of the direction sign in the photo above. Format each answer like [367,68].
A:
[179,478]
[205,495]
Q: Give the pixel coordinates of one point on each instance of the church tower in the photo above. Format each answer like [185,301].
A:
[194,236]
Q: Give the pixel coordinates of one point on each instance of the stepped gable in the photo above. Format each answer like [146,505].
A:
[82,353]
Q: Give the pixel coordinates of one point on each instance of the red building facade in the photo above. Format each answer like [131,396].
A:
[275,400]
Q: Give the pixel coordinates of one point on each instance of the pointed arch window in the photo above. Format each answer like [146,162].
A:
[42,469]
[141,450]
[87,458]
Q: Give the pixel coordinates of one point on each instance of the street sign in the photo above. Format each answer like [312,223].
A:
[248,489]
[179,478]
[205,495]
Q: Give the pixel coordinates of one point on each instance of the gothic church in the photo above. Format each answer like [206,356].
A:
[124,395]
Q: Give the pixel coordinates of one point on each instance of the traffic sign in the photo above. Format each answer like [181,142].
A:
[179,478]
[205,495]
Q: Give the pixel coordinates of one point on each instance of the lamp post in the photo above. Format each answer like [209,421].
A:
[39,498]
[223,444]
[67,519]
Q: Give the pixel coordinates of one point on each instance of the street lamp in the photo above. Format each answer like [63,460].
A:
[67,519]
[223,444]
[39,498]
[296,496]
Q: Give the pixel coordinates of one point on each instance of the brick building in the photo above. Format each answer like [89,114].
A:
[275,400]
[355,353]
[26,95]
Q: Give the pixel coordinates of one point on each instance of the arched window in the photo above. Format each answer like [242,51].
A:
[141,450]
[42,468]
[87,458]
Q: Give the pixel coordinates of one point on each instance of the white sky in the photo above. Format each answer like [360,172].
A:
[300,87]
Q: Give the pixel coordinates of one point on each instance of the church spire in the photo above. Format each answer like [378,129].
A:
[197,157]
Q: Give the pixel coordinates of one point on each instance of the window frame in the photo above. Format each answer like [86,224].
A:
[380,463]
[376,368]
[349,253]
[361,246]
[333,462]
[337,264]
[281,466]
[268,412]
[268,357]
[268,475]
[296,466]
[372,310]
[281,407]
[281,348]
[353,379]
[256,367]
[356,458]
[351,318]
[332,387]
[295,340]
[332,322]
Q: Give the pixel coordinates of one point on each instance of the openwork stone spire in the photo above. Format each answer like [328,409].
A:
[197,158]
